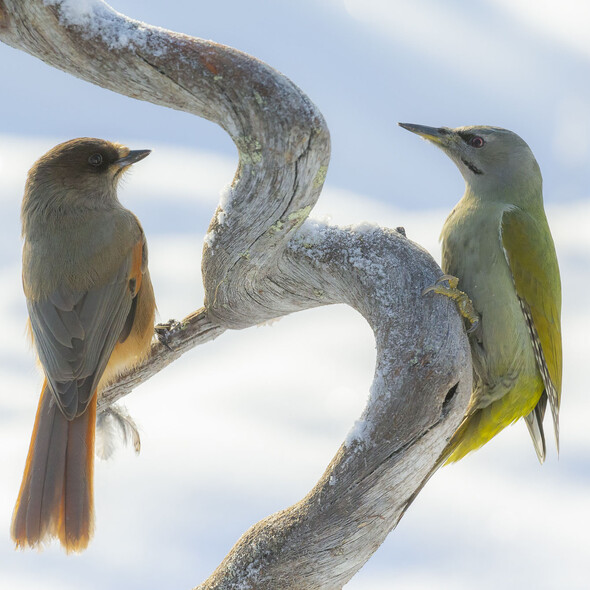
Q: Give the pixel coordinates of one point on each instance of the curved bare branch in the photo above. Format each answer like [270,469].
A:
[262,260]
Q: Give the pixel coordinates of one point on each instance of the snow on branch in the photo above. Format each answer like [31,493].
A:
[263,259]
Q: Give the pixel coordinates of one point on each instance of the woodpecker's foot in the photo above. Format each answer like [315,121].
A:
[464,304]
[165,331]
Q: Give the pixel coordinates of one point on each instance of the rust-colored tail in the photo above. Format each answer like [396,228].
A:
[55,498]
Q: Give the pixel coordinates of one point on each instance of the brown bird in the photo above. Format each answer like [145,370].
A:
[91,315]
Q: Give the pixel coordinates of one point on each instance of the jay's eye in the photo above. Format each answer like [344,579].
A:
[476,141]
[95,160]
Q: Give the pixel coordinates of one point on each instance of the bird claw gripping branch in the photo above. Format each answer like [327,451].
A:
[165,331]
[464,304]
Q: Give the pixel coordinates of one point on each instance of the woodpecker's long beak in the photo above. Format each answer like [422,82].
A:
[132,157]
[438,135]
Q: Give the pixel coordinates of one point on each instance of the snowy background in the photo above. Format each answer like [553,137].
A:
[235,430]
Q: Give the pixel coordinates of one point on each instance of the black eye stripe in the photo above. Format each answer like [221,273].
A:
[466,136]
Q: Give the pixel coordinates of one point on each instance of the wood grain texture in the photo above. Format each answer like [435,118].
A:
[261,260]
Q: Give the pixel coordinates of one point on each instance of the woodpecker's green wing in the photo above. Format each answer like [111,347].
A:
[531,257]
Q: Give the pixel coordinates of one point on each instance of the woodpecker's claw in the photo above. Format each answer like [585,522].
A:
[474,322]
[464,304]
[165,331]
[441,289]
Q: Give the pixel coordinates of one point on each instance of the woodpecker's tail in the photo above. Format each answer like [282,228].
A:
[56,498]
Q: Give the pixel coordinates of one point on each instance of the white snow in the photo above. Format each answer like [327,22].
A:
[97,18]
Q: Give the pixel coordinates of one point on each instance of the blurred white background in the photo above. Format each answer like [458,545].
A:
[244,426]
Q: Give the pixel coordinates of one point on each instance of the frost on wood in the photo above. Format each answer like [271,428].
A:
[263,259]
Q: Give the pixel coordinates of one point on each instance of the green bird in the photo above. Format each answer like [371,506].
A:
[497,242]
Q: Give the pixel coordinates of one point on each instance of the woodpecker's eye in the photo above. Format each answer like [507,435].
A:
[476,141]
[95,160]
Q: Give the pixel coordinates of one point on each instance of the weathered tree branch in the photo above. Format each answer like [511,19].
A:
[262,261]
